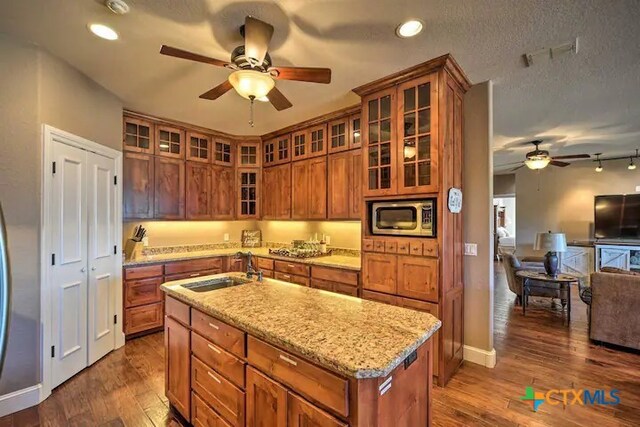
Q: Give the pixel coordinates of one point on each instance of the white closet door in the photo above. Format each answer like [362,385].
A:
[69,269]
[102,259]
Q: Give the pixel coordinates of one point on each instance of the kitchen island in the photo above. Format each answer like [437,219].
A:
[277,354]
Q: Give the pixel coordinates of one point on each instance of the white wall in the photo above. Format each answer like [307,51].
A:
[561,199]
[509,204]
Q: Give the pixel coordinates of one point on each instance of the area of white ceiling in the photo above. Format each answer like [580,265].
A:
[587,102]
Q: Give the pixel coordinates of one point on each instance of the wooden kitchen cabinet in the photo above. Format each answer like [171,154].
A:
[266,401]
[198,147]
[300,190]
[138,135]
[169,188]
[418,277]
[300,150]
[317,140]
[249,154]
[138,186]
[222,192]
[223,152]
[317,190]
[170,142]
[301,413]
[198,192]
[277,150]
[248,193]
[379,115]
[178,366]
[379,272]
[344,193]
[276,192]
[355,135]
[339,135]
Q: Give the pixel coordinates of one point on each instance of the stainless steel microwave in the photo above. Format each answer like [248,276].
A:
[404,218]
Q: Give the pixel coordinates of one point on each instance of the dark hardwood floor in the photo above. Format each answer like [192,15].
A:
[539,350]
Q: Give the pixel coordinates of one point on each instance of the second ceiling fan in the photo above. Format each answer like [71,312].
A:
[254,76]
[540,159]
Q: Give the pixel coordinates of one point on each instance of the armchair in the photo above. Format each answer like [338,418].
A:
[512,265]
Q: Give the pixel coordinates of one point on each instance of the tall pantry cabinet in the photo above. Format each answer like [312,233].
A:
[412,149]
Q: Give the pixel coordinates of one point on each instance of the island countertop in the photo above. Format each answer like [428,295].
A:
[348,335]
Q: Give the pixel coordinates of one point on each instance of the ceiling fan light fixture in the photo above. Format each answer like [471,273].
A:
[409,28]
[251,84]
[263,99]
[632,165]
[103,31]
[536,163]
[599,168]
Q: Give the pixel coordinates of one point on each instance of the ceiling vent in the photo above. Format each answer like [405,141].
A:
[119,7]
[551,52]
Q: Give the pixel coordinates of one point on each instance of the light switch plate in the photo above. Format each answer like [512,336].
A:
[226,237]
[471,249]
[327,239]
[637,188]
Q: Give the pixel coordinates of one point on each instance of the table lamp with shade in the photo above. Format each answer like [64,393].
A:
[552,243]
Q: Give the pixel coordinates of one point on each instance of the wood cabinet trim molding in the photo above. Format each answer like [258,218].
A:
[354,109]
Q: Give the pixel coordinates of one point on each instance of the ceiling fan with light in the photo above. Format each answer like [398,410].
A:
[254,75]
[540,159]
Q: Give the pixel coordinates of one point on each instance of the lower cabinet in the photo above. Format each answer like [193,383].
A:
[379,272]
[301,413]
[266,401]
[178,367]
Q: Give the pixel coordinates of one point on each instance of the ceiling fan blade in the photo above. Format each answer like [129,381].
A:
[179,53]
[558,163]
[572,156]
[217,91]
[302,74]
[257,35]
[278,100]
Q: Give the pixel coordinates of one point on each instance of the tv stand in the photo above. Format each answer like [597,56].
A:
[624,255]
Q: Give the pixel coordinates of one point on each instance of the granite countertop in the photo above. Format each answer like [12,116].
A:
[348,335]
[339,261]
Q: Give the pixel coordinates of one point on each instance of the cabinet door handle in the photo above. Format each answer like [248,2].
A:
[194,275]
[216,327]
[214,377]
[213,348]
[286,276]
[288,360]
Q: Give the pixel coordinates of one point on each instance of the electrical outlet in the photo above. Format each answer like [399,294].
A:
[327,239]
[226,237]
[471,249]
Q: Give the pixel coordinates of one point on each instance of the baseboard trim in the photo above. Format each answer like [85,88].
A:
[19,400]
[480,357]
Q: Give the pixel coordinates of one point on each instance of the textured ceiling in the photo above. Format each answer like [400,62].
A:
[587,102]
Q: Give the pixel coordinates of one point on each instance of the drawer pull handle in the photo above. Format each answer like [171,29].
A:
[291,266]
[214,377]
[213,348]
[286,276]
[216,327]
[194,275]
[288,360]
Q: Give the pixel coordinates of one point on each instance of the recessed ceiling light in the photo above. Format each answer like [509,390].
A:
[409,28]
[103,31]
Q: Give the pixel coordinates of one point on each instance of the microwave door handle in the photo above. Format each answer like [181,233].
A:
[5,290]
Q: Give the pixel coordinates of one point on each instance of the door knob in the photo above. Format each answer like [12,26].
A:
[83,270]
[93,269]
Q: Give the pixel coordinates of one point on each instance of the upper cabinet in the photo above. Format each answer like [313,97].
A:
[417,146]
[355,137]
[309,189]
[223,152]
[317,140]
[249,154]
[169,188]
[344,185]
[138,188]
[170,142]
[299,141]
[198,147]
[339,135]
[222,201]
[248,194]
[277,150]
[137,135]
[276,192]
[379,110]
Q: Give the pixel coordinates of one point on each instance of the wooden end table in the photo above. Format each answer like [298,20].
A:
[562,279]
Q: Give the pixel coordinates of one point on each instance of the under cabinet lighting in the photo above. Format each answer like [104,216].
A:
[410,28]
[103,31]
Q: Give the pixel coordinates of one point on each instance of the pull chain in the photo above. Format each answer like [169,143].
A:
[251,98]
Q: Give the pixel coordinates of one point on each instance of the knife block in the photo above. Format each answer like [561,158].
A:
[132,249]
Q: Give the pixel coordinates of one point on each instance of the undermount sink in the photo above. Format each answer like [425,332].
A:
[215,284]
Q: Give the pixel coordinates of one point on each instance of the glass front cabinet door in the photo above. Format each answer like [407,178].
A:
[417,149]
[379,113]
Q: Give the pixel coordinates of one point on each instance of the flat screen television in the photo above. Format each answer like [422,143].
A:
[617,217]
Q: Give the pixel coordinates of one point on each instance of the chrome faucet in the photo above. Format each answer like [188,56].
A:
[250,270]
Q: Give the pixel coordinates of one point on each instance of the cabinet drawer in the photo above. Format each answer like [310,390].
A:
[225,336]
[403,248]
[348,277]
[292,268]
[203,415]
[415,248]
[309,380]
[143,318]
[302,414]
[268,273]
[191,275]
[341,288]
[378,297]
[367,245]
[134,273]
[177,309]
[140,292]
[291,278]
[215,357]
[378,246]
[193,265]
[322,284]
[264,263]
[430,248]
[218,392]
[391,247]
